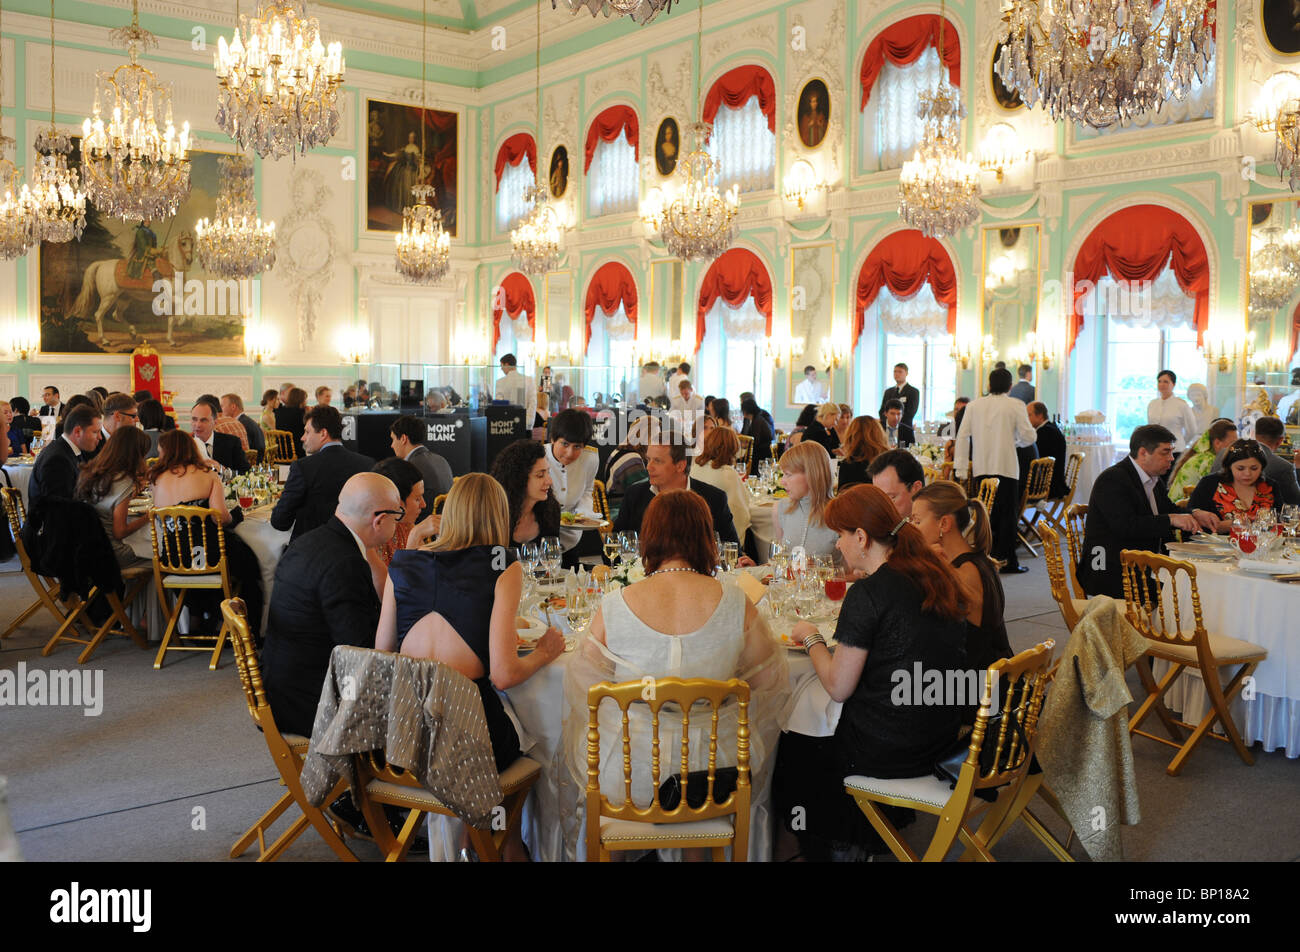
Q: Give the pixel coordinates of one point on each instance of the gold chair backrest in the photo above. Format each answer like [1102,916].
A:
[439,501]
[600,498]
[1039,481]
[280,446]
[14,512]
[1076,519]
[251,456]
[235,612]
[1014,735]
[1056,573]
[183,546]
[1072,466]
[987,492]
[683,694]
[1151,598]
[746,449]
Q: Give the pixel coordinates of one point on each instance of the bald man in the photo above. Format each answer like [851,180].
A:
[327,592]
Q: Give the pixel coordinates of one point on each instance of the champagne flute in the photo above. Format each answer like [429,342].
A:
[580,606]
[613,546]
[730,555]
[551,555]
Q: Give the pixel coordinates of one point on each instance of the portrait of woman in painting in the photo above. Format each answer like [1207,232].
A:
[1281,22]
[814,113]
[559,171]
[403,174]
[666,147]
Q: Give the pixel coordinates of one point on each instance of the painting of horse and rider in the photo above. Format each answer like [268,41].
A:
[125,281]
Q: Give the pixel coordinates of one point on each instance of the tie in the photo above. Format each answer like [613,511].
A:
[207,448]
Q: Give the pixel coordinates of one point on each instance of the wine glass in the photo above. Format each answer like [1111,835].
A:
[631,546]
[1291,517]
[823,568]
[1244,536]
[613,547]
[579,607]
[551,555]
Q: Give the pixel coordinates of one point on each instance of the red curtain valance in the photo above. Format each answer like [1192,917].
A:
[1137,244]
[736,276]
[611,285]
[904,262]
[735,88]
[514,150]
[608,126]
[516,292]
[904,42]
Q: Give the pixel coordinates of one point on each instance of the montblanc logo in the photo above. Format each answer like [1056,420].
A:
[441,432]
[77,905]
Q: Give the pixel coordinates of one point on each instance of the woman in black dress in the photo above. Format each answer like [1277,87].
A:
[907,610]
[822,428]
[525,475]
[291,415]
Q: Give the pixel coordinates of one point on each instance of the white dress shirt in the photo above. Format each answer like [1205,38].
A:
[204,448]
[1148,486]
[998,424]
[76,450]
[1176,416]
[811,391]
[519,390]
[689,412]
[573,486]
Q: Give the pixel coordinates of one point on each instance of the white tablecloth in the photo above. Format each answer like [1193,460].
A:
[19,476]
[762,520]
[1264,612]
[1097,457]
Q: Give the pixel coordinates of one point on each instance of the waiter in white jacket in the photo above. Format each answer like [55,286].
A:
[996,425]
[1173,413]
[573,477]
[517,389]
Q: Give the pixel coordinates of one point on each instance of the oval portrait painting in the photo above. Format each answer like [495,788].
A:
[814,113]
[559,171]
[667,146]
[1281,22]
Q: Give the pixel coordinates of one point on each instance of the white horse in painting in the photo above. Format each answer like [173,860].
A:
[100,280]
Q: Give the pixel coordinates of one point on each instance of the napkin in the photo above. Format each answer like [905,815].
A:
[754,589]
[812,712]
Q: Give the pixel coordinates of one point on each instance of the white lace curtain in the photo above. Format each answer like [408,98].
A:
[1198,104]
[918,316]
[744,323]
[616,327]
[744,147]
[613,179]
[511,207]
[514,331]
[890,131]
[1161,303]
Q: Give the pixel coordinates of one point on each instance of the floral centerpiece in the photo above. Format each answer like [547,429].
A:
[930,454]
[625,573]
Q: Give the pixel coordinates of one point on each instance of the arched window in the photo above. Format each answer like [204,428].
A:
[742,107]
[610,162]
[1141,303]
[900,64]
[513,298]
[514,176]
[611,315]
[733,318]
[906,313]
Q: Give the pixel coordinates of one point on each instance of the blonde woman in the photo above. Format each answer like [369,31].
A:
[806,476]
[958,529]
[822,428]
[455,601]
[715,465]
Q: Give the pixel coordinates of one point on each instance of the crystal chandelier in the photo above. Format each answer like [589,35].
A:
[17,210]
[56,192]
[1273,274]
[1104,61]
[535,241]
[424,246]
[235,243]
[938,189]
[132,169]
[699,223]
[279,84]
[642,11]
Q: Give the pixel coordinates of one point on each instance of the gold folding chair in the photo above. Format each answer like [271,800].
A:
[629,827]
[746,450]
[1149,601]
[1071,608]
[1053,510]
[1038,483]
[601,500]
[987,492]
[1013,741]
[1076,519]
[279,447]
[439,501]
[150,462]
[183,562]
[287,753]
[251,456]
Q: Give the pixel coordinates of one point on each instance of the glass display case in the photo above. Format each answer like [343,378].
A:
[600,386]
[431,387]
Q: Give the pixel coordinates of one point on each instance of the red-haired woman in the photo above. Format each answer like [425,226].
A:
[907,612]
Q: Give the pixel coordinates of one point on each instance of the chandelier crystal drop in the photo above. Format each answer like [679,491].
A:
[424,246]
[938,189]
[235,243]
[699,222]
[1273,273]
[1104,61]
[642,11]
[536,239]
[132,169]
[56,192]
[279,84]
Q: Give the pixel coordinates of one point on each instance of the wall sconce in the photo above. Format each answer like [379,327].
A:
[834,353]
[1003,271]
[1273,360]
[802,184]
[25,339]
[260,343]
[652,210]
[963,352]
[1000,150]
[1225,350]
[1039,348]
[354,345]
[782,347]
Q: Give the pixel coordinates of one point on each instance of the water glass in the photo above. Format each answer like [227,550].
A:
[631,546]
[778,594]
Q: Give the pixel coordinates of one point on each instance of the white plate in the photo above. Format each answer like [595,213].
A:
[1253,567]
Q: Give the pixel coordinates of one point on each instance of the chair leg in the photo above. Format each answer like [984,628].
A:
[286,839]
[1155,699]
[28,612]
[69,622]
[1219,700]
[483,845]
[897,845]
[719,854]
[950,827]
[264,823]
[172,622]
[405,836]
[221,644]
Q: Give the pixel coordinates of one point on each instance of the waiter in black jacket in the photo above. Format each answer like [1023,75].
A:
[669,469]
[59,464]
[902,390]
[1129,509]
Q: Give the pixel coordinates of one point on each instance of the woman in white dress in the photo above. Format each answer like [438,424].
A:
[678,622]
[1172,412]
[806,476]
[715,465]
[109,483]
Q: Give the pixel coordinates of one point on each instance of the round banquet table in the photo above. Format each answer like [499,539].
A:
[19,475]
[1260,610]
[1097,457]
[539,705]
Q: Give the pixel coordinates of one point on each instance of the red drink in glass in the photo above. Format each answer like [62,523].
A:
[246,502]
[835,588]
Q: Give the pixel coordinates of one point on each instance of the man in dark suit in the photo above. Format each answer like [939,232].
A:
[232,405]
[53,405]
[1050,442]
[669,469]
[1024,388]
[221,448]
[1129,509]
[326,593]
[312,492]
[897,433]
[904,391]
[407,437]
[58,465]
